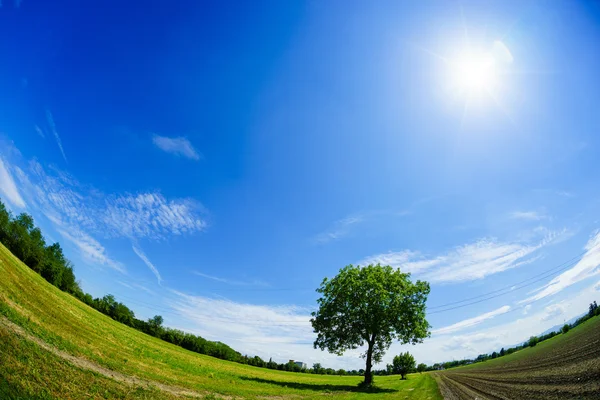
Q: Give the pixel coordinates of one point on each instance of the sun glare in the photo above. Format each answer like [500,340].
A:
[475,73]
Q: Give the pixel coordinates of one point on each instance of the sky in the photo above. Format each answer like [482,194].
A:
[212,163]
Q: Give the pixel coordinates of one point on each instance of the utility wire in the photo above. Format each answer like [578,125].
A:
[512,285]
[436,309]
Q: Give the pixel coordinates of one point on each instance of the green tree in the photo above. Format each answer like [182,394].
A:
[372,306]
[533,341]
[421,367]
[389,369]
[317,368]
[565,328]
[155,325]
[403,364]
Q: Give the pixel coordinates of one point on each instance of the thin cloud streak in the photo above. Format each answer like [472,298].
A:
[587,267]
[230,281]
[468,323]
[52,125]
[9,188]
[40,131]
[148,263]
[528,215]
[178,146]
[465,263]
[339,229]
[90,249]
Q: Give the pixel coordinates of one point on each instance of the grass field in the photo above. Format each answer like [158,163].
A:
[566,366]
[54,347]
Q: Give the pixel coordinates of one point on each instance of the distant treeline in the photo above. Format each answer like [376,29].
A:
[25,241]
[533,340]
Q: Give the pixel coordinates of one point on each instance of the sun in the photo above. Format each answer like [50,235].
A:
[474,73]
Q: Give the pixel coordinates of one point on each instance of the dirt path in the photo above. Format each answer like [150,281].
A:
[89,365]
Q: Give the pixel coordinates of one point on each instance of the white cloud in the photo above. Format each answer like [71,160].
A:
[125,284]
[528,215]
[8,187]
[526,309]
[468,262]
[178,146]
[39,131]
[231,281]
[282,332]
[493,337]
[588,266]
[151,215]
[339,229]
[146,261]
[52,125]
[80,212]
[143,288]
[144,215]
[553,311]
[90,249]
[467,323]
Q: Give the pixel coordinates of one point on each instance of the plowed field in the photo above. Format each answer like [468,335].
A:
[564,367]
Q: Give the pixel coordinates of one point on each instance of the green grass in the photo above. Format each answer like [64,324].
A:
[27,371]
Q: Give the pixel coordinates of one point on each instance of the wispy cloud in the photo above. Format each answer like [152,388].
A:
[143,288]
[179,146]
[81,212]
[40,131]
[492,337]
[468,262]
[588,266]
[146,261]
[143,215]
[8,187]
[553,311]
[280,331]
[128,286]
[467,323]
[528,215]
[90,249]
[339,229]
[151,215]
[52,126]
[231,281]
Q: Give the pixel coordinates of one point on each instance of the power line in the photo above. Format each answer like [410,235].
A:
[437,309]
[510,286]
[502,294]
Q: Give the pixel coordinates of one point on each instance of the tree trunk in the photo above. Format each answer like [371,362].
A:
[368,376]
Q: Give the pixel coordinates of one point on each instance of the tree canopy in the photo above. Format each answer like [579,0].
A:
[373,306]
[403,363]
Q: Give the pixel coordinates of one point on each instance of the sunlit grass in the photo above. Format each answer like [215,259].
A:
[66,323]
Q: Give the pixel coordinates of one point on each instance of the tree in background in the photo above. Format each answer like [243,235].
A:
[155,325]
[403,364]
[532,341]
[565,328]
[372,306]
[421,368]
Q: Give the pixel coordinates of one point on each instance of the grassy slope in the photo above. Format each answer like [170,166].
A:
[547,346]
[28,371]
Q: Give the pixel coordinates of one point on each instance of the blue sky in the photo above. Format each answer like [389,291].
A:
[213,164]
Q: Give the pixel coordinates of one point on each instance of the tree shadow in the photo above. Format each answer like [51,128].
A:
[321,387]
